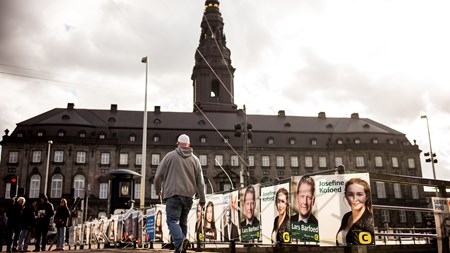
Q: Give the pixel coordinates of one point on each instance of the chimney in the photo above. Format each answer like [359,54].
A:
[70,106]
[322,115]
[355,115]
[281,113]
[157,108]
[113,107]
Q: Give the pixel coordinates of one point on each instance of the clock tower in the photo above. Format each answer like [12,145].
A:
[213,73]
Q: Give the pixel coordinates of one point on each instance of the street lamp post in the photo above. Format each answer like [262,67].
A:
[431,154]
[47,167]
[144,139]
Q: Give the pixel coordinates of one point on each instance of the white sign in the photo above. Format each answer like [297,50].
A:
[441,205]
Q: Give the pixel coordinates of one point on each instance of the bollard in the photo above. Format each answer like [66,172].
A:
[232,246]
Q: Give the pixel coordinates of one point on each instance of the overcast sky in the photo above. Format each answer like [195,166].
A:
[386,60]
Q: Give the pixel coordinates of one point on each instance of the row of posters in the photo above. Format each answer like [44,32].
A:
[328,210]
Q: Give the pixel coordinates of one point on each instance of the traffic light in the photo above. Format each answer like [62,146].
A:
[13,189]
[428,160]
[237,130]
[249,131]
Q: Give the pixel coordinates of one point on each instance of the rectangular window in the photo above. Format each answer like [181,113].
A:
[294,161]
[13,157]
[359,161]
[418,216]
[378,161]
[308,162]
[155,159]
[59,156]
[138,159]
[338,161]
[7,190]
[381,190]
[218,160]
[36,156]
[203,160]
[394,162]
[385,216]
[415,192]
[104,158]
[411,163]
[137,190]
[234,160]
[123,158]
[322,162]
[397,191]
[81,157]
[280,161]
[251,161]
[153,194]
[103,192]
[265,161]
[402,216]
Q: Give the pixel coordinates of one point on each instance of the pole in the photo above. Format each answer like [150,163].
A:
[431,149]
[47,167]
[144,140]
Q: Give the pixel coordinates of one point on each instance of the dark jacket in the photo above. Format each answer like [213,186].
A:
[364,224]
[62,213]
[28,219]
[14,215]
[284,227]
[44,213]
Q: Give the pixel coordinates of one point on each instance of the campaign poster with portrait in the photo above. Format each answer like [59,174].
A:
[111,233]
[212,217]
[162,233]
[195,222]
[304,225]
[150,225]
[250,213]
[275,214]
[345,203]
[230,217]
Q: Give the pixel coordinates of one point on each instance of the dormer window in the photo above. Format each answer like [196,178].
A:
[61,133]
[156,138]
[132,138]
[82,134]
[40,133]
[292,141]
[339,141]
[374,140]
[270,141]
[313,142]
[102,136]
[357,141]
[203,139]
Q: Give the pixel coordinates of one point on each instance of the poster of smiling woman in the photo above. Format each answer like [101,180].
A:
[275,214]
[345,203]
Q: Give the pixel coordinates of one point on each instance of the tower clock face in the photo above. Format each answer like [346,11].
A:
[124,189]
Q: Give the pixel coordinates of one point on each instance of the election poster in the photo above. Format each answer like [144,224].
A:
[230,217]
[304,225]
[150,225]
[345,212]
[250,213]
[195,222]
[161,228]
[212,217]
[275,214]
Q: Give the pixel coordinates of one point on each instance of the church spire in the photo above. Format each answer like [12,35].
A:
[213,89]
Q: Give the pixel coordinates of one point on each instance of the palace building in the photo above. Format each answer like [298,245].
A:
[233,146]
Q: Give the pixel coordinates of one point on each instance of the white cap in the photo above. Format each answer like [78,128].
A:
[183,139]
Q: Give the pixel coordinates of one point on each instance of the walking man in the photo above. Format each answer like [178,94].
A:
[179,176]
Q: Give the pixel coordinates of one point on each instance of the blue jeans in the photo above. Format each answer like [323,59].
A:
[177,210]
[60,237]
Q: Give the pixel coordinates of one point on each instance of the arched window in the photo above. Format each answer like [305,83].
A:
[35,184]
[78,185]
[56,188]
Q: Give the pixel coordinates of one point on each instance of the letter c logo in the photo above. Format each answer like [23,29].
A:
[365,238]
[286,237]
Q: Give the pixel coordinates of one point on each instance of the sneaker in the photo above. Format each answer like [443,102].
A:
[183,246]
